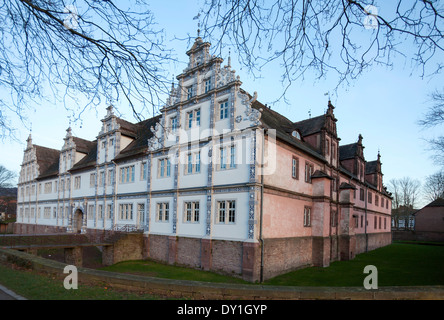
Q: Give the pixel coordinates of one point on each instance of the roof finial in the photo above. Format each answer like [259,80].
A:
[229,58]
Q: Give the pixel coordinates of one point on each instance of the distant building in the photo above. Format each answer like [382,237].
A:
[191,179]
[8,204]
[429,221]
[403,218]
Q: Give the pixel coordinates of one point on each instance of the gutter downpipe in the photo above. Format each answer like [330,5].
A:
[261,239]
[366,222]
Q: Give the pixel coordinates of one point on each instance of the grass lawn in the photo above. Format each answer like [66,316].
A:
[37,287]
[155,269]
[398,264]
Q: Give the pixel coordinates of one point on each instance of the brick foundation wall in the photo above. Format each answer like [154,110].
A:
[189,252]
[158,248]
[227,256]
[375,240]
[286,254]
[408,235]
[24,228]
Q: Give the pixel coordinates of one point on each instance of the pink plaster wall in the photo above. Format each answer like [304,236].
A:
[284,217]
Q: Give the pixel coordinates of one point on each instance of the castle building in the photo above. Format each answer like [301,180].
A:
[216,181]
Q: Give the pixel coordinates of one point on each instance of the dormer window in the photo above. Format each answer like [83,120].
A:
[190,92]
[296,134]
[207,85]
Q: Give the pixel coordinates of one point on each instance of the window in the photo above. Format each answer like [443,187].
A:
[173,124]
[68,183]
[223,110]
[327,146]
[193,118]
[376,222]
[144,170]
[163,211]
[307,216]
[295,168]
[385,223]
[126,211]
[362,221]
[127,174]
[108,211]
[207,85]
[48,188]
[197,162]
[190,92]
[296,134]
[46,212]
[376,200]
[226,211]
[77,182]
[110,176]
[191,212]
[164,168]
[111,142]
[308,172]
[382,202]
[369,197]
[223,158]
[141,212]
[361,194]
[232,157]
[227,157]
[100,211]
[61,212]
[190,163]
[92,180]
[91,212]
[102,178]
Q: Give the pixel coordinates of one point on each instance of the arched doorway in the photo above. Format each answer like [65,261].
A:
[77,221]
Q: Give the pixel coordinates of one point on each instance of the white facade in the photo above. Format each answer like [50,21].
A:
[189,172]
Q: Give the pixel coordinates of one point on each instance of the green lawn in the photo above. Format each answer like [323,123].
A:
[37,287]
[398,264]
[159,270]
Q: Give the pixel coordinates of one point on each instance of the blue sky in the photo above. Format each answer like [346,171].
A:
[383,105]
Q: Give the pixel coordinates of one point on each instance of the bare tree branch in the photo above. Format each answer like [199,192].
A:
[95,51]
[339,36]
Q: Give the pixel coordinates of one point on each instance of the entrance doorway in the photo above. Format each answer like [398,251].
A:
[77,221]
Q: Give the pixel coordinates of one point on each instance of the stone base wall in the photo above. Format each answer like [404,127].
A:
[411,235]
[236,258]
[286,254]
[24,228]
[375,241]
